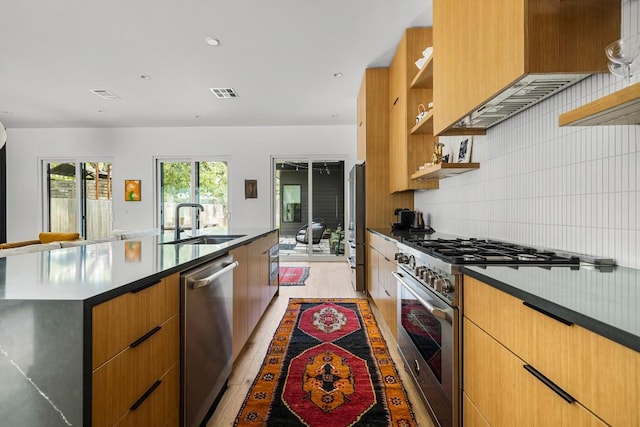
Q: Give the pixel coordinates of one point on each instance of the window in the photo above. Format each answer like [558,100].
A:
[193,181]
[78,197]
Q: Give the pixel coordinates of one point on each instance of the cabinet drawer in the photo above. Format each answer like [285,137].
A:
[472,417]
[507,394]
[588,366]
[384,246]
[121,320]
[161,407]
[120,382]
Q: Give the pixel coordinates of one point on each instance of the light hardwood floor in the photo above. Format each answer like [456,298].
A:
[326,280]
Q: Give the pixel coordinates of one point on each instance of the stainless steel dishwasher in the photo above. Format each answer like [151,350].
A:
[206,321]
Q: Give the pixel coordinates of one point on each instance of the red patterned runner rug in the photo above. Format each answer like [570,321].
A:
[293,276]
[327,365]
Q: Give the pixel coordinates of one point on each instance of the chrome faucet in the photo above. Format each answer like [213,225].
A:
[177,217]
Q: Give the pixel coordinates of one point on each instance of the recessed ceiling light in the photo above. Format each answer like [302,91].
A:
[197,117]
[102,112]
[337,75]
[333,116]
[145,77]
[212,41]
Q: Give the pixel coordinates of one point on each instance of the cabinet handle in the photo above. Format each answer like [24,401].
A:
[396,101]
[143,287]
[437,312]
[387,292]
[546,381]
[145,395]
[546,313]
[145,337]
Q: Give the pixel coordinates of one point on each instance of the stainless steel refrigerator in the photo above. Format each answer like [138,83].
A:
[356,230]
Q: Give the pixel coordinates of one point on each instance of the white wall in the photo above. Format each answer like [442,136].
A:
[132,150]
[574,188]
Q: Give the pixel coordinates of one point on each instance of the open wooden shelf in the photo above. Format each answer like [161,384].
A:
[424,126]
[619,108]
[424,78]
[444,170]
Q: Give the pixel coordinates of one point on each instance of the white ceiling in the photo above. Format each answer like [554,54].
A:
[279,55]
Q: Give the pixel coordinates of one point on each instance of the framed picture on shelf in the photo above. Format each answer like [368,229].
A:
[462,153]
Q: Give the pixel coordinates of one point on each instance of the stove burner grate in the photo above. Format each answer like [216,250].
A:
[490,252]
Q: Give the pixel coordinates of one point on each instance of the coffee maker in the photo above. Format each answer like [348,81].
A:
[411,221]
[405,219]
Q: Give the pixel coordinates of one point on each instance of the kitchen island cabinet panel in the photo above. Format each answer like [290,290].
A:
[586,365]
[259,291]
[161,408]
[120,321]
[121,381]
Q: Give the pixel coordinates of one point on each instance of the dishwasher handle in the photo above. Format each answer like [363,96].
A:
[201,283]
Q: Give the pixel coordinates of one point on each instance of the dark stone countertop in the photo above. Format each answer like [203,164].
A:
[604,302]
[100,269]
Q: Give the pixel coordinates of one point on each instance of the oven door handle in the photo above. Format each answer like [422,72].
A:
[437,312]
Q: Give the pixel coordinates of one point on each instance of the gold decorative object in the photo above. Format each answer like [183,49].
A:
[436,158]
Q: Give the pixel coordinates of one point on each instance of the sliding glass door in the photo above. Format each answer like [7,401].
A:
[309,208]
[193,181]
[78,198]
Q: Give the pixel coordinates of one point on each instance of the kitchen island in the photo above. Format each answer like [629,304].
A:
[46,304]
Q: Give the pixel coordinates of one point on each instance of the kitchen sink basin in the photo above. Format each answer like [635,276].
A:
[205,240]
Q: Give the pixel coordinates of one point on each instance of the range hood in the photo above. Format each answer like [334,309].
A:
[524,93]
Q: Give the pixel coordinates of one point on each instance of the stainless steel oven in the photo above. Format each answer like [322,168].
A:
[429,326]
[430,307]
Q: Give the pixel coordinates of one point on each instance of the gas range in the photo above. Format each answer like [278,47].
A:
[436,262]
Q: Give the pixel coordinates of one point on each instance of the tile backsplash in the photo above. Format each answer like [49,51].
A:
[575,189]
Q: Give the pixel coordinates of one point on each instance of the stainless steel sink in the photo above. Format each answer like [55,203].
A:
[205,240]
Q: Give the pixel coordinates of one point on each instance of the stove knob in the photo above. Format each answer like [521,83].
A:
[444,285]
[438,284]
[401,258]
[419,271]
[424,273]
[431,278]
[412,261]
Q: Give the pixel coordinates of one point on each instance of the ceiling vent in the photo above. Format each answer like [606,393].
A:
[222,92]
[105,94]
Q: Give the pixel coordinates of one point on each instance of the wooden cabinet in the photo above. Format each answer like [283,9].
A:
[408,149]
[252,291]
[506,394]
[136,357]
[483,49]
[373,148]
[587,366]
[383,285]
